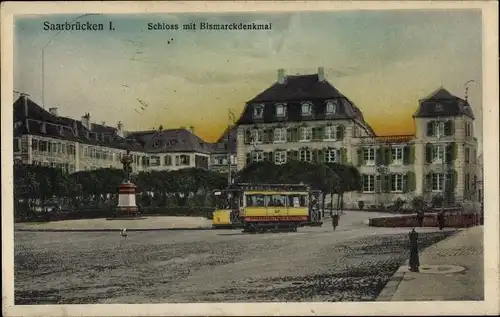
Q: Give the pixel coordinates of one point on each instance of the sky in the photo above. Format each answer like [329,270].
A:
[383,61]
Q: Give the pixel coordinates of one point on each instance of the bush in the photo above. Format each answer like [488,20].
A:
[418,202]
[398,204]
[361,205]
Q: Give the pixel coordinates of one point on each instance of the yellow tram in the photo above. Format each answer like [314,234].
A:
[260,207]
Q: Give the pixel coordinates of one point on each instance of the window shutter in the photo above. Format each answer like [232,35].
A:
[387,183]
[406,155]
[295,134]
[362,183]
[266,156]
[289,134]
[406,185]
[293,155]
[340,129]
[430,128]
[378,184]
[428,153]
[412,153]
[379,156]
[388,155]
[449,153]
[454,150]
[320,131]
[449,128]
[343,155]
[454,179]
[428,182]
[248,136]
[249,159]
[361,158]
[321,156]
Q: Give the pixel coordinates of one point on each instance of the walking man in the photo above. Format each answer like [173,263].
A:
[335,221]
[414,260]
[420,217]
[440,218]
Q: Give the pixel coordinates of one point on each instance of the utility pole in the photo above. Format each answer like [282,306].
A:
[232,121]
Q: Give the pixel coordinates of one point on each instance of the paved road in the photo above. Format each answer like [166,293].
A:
[314,264]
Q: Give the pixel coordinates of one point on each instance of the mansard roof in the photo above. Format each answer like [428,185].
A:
[441,103]
[34,120]
[295,91]
[171,140]
[297,88]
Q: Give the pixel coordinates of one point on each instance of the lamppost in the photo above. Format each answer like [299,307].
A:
[43,54]
[382,170]
[232,120]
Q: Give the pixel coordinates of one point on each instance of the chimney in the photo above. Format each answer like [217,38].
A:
[75,128]
[86,121]
[321,74]
[61,130]
[102,136]
[53,111]
[281,76]
[119,129]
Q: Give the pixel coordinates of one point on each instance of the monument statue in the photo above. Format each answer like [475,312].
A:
[127,161]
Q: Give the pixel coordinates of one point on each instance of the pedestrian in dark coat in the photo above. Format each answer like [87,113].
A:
[335,221]
[440,220]
[420,218]
[414,260]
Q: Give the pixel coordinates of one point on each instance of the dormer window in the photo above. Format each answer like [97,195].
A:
[439,107]
[331,108]
[280,110]
[306,109]
[258,111]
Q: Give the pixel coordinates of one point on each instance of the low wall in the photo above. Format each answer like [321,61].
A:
[430,220]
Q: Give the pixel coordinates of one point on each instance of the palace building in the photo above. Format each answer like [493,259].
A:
[304,117]
[45,138]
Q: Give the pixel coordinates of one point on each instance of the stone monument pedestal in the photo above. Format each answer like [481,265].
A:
[126,207]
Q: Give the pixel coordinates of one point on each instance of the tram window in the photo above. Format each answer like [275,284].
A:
[255,200]
[276,200]
[297,201]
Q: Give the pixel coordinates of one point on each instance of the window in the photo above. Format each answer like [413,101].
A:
[467,155]
[368,183]
[369,156]
[437,182]
[280,157]
[397,155]
[183,160]
[155,161]
[439,129]
[439,107]
[305,133]
[256,136]
[331,155]
[296,201]
[257,156]
[280,135]
[34,145]
[63,148]
[258,111]
[467,182]
[276,200]
[473,157]
[438,154]
[255,200]
[330,133]
[280,110]
[42,146]
[331,108]
[396,183]
[306,109]
[305,155]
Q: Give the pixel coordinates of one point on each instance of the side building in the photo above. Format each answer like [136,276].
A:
[45,138]
[306,118]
